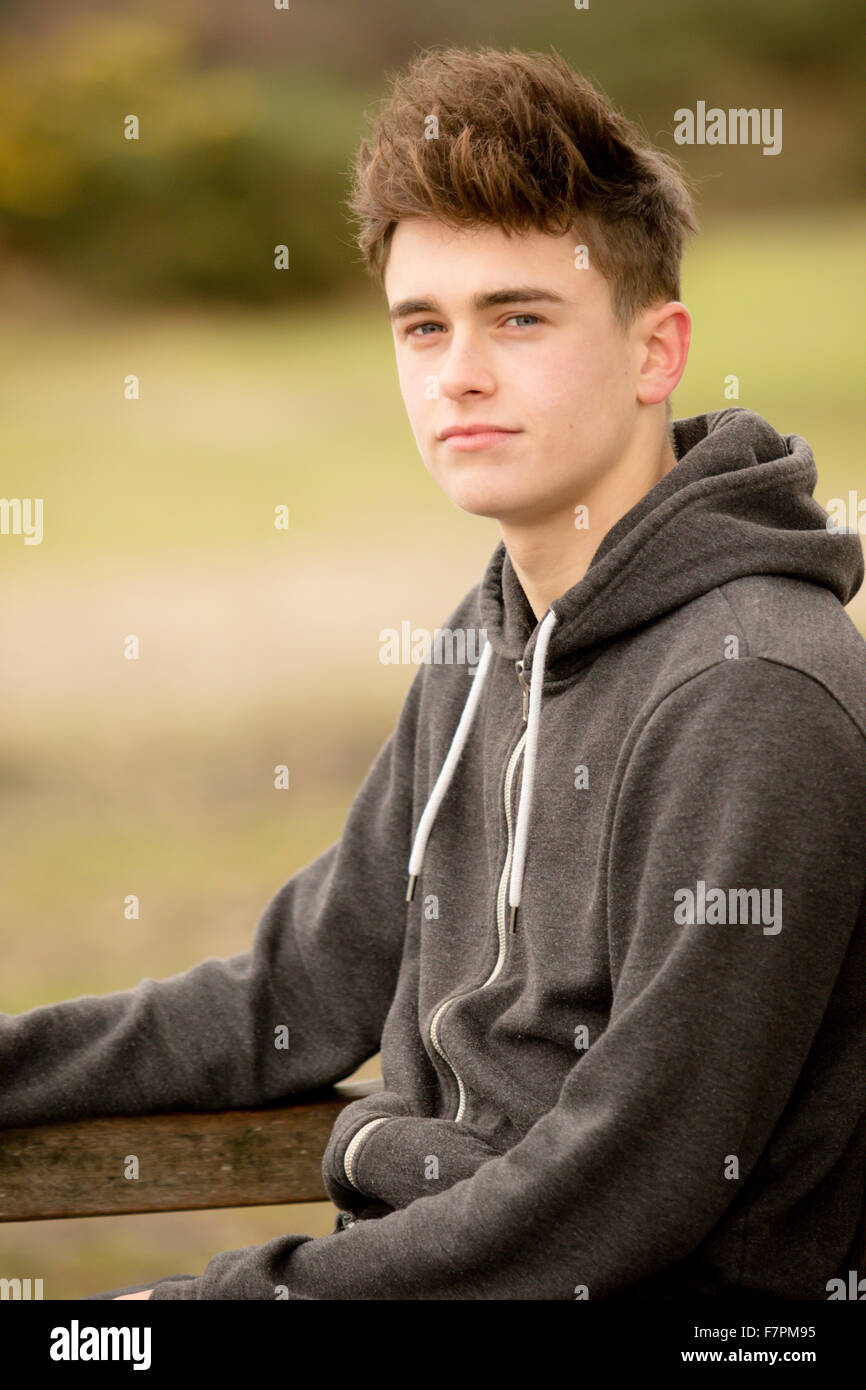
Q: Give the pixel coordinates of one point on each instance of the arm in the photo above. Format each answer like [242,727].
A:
[324,963]
[754,776]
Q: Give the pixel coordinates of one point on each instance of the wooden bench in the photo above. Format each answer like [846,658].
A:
[187,1161]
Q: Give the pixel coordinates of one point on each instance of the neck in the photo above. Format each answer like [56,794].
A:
[552,553]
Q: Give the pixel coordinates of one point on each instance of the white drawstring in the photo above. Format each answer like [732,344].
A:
[524,810]
[461,733]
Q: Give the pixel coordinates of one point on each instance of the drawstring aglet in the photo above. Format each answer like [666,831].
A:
[512,927]
[410,891]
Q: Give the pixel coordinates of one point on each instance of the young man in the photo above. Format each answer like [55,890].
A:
[600,899]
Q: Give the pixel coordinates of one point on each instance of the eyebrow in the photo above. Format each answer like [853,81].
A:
[519,294]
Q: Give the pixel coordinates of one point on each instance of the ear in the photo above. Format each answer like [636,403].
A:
[663,343]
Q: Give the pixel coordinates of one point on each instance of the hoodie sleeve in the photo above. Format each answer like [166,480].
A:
[748,775]
[401,1171]
[303,1008]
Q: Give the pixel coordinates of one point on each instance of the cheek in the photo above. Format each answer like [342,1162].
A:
[404,378]
[414,388]
[574,387]
[559,393]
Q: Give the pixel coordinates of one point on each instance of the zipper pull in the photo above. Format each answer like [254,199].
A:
[524,687]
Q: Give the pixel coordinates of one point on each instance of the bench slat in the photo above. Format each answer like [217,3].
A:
[187,1161]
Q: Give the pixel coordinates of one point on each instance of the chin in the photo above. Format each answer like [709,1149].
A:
[494,503]
[480,491]
[473,495]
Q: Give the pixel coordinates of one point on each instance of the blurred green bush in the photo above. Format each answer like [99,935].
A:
[229,163]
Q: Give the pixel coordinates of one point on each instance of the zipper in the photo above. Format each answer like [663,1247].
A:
[501,934]
[520,665]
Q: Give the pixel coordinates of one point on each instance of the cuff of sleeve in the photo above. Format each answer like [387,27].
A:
[176,1288]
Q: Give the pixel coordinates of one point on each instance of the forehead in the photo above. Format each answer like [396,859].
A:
[430,259]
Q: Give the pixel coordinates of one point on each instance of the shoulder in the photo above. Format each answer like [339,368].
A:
[789,623]
[760,715]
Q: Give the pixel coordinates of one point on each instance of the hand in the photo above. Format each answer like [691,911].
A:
[145,1293]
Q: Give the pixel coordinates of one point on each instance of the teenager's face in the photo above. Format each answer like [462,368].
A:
[556,372]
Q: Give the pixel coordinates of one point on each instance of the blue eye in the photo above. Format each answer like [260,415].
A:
[414,332]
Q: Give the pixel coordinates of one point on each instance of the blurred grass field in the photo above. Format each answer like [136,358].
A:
[260,646]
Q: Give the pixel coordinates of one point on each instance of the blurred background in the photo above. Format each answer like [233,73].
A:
[260,388]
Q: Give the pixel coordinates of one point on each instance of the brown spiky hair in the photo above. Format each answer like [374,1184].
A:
[523,143]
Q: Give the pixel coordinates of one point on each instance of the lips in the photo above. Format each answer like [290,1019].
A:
[476,438]
[475,428]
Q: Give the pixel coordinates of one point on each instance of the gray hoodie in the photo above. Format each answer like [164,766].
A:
[611,939]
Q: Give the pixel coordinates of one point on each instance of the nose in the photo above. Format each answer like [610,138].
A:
[465,369]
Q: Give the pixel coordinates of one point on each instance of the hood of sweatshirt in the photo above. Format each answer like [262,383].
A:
[738,502]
